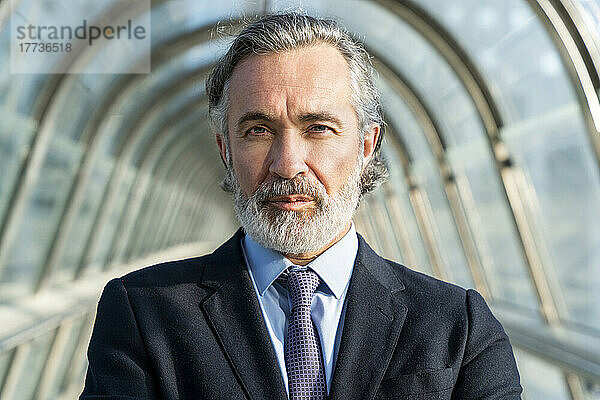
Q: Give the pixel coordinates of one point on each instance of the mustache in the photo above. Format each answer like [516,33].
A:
[288,187]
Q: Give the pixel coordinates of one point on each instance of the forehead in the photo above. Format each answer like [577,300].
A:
[311,77]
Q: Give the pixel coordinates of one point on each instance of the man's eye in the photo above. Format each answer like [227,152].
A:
[257,130]
[319,128]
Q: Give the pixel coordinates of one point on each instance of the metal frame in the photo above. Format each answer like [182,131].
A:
[16,368]
[364,225]
[178,116]
[148,162]
[77,363]
[139,220]
[111,193]
[16,365]
[377,207]
[517,190]
[575,43]
[122,90]
[375,229]
[528,233]
[46,113]
[196,178]
[166,173]
[33,162]
[542,344]
[80,184]
[432,131]
[11,358]
[160,141]
[56,352]
[391,205]
[421,209]
[4,13]
[181,223]
[184,170]
[169,153]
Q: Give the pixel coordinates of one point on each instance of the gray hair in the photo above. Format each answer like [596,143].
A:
[288,31]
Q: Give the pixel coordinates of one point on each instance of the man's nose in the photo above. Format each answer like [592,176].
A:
[288,157]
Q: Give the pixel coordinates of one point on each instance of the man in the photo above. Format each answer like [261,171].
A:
[296,304]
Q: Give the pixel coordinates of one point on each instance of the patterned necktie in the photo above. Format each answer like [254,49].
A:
[303,361]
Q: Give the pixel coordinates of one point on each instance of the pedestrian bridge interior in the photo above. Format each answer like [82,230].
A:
[493,145]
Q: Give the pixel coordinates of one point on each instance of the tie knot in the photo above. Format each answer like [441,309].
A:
[302,284]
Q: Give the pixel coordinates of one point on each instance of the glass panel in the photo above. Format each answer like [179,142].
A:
[20,91]
[5,359]
[148,216]
[160,212]
[173,18]
[14,88]
[72,383]
[41,217]
[566,194]
[544,130]
[436,83]
[104,239]
[147,93]
[591,14]
[79,377]
[427,173]
[365,224]
[390,229]
[512,49]
[591,390]
[15,136]
[60,369]
[490,221]
[168,233]
[398,44]
[45,205]
[82,225]
[83,96]
[162,115]
[124,248]
[540,380]
[32,368]
[157,231]
[186,173]
[402,200]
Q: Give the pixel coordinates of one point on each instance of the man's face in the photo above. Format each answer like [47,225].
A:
[295,147]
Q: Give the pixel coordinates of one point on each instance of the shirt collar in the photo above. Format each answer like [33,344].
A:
[334,266]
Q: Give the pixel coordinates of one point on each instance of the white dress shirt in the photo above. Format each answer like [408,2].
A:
[334,267]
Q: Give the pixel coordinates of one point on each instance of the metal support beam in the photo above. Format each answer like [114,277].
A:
[578,49]
[438,148]
[466,71]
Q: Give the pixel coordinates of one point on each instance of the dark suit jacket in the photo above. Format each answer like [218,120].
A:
[193,329]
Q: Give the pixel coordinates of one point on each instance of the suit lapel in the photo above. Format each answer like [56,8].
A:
[373,321]
[234,313]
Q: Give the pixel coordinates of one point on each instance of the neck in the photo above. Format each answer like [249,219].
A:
[305,258]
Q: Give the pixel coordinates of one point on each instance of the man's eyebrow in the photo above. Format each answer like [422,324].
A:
[306,117]
[254,116]
[320,116]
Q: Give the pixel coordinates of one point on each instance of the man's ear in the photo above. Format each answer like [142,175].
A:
[222,148]
[370,142]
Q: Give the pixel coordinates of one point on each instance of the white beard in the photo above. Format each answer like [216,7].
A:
[296,232]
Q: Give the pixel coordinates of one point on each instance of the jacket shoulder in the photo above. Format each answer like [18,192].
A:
[426,283]
[189,270]
[415,287]
[426,291]
[167,273]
